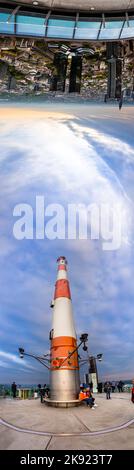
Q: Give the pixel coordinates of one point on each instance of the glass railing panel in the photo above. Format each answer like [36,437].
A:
[30,25]
[128,31]
[60,28]
[111,30]
[6,23]
[87,30]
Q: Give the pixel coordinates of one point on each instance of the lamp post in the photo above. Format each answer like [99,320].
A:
[93,370]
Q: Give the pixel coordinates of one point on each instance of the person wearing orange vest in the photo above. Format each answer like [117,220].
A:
[86,396]
[82,395]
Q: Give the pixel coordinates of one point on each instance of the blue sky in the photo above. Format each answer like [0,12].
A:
[85,155]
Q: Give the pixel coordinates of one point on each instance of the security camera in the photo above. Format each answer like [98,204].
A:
[84,348]
[99,357]
[84,337]
[21,351]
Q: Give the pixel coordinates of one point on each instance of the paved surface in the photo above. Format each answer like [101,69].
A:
[109,426]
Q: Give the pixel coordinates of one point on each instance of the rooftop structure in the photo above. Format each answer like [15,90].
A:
[81,5]
[56,20]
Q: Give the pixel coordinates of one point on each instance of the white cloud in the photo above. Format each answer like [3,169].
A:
[14,359]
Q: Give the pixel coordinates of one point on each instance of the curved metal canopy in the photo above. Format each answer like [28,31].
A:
[53,25]
[82,5]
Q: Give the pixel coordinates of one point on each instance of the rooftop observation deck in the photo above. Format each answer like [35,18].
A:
[30,425]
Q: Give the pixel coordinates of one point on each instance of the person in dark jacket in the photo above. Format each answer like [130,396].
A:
[14,387]
[120,386]
[108,390]
[120,102]
[100,387]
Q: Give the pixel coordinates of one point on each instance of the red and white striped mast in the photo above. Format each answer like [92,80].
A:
[64,366]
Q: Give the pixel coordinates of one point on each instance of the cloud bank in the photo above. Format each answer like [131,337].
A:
[67,161]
